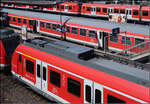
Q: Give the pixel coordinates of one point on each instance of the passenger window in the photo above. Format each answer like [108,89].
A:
[30,22]
[9,18]
[139,41]
[98,9]
[116,11]
[111,99]
[19,20]
[70,7]
[68,29]
[42,24]
[54,26]
[145,13]
[74,87]
[114,38]
[24,21]
[62,7]
[48,25]
[38,70]
[88,93]
[92,34]
[97,96]
[14,19]
[83,32]
[135,12]
[128,40]
[30,66]
[122,11]
[105,10]
[55,78]
[57,6]
[19,58]
[74,30]
[44,73]
[88,9]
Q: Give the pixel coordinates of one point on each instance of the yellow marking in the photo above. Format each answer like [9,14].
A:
[28,56]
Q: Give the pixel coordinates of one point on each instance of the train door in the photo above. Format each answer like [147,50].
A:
[19,65]
[34,26]
[93,10]
[38,74]
[110,10]
[129,13]
[93,92]
[66,8]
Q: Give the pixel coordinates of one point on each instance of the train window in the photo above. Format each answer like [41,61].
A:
[30,66]
[74,30]
[54,26]
[24,21]
[19,58]
[127,41]
[97,96]
[116,10]
[92,34]
[130,12]
[145,13]
[74,87]
[44,73]
[19,20]
[48,25]
[111,99]
[122,11]
[139,41]
[70,7]
[62,7]
[88,9]
[55,78]
[38,70]
[14,19]
[57,6]
[42,24]
[30,22]
[135,12]
[88,93]
[98,9]
[83,32]
[114,38]
[68,29]
[105,10]
[83,7]
[9,18]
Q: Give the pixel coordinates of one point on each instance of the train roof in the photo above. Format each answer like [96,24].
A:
[132,28]
[85,56]
[7,33]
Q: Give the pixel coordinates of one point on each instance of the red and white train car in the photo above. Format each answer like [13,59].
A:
[91,32]
[68,73]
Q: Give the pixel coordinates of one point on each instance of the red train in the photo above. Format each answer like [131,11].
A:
[64,72]
[129,12]
[8,43]
[96,33]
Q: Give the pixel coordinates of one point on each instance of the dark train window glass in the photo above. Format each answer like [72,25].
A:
[97,96]
[98,9]
[44,73]
[57,6]
[74,87]
[83,32]
[88,93]
[62,7]
[130,12]
[74,30]
[30,22]
[88,8]
[105,10]
[111,99]
[114,38]
[19,20]
[145,13]
[19,58]
[42,24]
[30,66]
[116,10]
[135,12]
[128,40]
[54,26]
[55,78]
[122,11]
[38,70]
[48,25]
[14,19]
[92,34]
[68,29]
[24,21]
[70,7]
[139,41]
[83,7]
[9,18]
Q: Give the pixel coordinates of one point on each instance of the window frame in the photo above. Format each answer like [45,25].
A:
[75,32]
[55,78]
[143,13]
[19,20]
[84,34]
[48,25]
[135,12]
[42,24]
[91,35]
[29,64]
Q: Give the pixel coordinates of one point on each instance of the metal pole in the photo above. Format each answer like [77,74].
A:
[125,42]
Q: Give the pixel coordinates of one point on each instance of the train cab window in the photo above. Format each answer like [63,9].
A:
[54,26]
[42,24]
[105,10]
[145,13]
[19,58]
[19,20]
[83,32]
[139,41]
[74,87]
[48,25]
[44,73]
[62,7]
[98,9]
[92,34]
[55,78]
[88,93]
[30,22]
[122,11]
[38,70]
[24,21]
[135,12]
[68,29]
[111,99]
[14,19]
[114,38]
[116,10]
[70,7]
[88,9]
[30,66]
[127,41]
[74,30]
[97,96]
